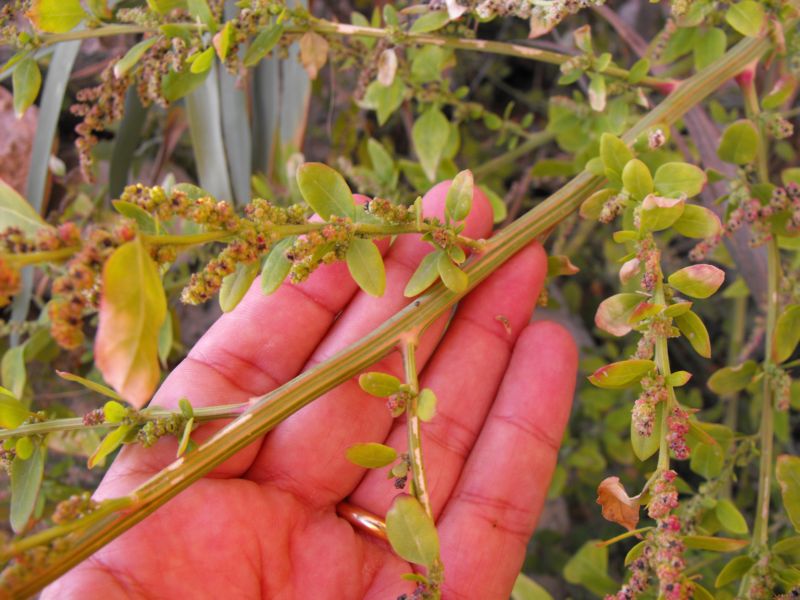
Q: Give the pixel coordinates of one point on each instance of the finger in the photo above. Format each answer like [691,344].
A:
[261,344]
[465,374]
[497,501]
[306,454]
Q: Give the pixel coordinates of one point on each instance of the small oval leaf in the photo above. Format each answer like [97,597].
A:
[411,532]
[365,263]
[371,456]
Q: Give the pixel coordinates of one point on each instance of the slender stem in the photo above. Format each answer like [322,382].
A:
[205,413]
[269,410]
[190,239]
[766,431]
[731,418]
[662,362]
[534,141]
[623,536]
[419,485]
[32,258]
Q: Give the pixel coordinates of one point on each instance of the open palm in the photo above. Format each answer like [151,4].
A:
[264,523]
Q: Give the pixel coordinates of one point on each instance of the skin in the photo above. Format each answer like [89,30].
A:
[264,523]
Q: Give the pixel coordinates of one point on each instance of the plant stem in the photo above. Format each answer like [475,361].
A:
[534,141]
[190,239]
[32,258]
[269,410]
[766,431]
[205,413]
[662,362]
[419,486]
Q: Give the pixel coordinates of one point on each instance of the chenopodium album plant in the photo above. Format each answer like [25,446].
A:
[112,272]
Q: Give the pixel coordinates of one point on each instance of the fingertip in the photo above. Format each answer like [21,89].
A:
[549,337]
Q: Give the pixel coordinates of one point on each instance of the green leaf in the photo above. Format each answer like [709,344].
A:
[165,340]
[597,92]
[411,532]
[787,333]
[674,179]
[55,16]
[659,213]
[458,202]
[427,272]
[560,265]
[132,56]
[365,263]
[26,479]
[638,71]
[27,80]
[708,47]
[429,134]
[728,380]
[593,205]
[379,384]
[499,208]
[131,312]
[526,588]
[787,472]
[24,448]
[92,385]
[692,327]
[734,570]
[235,286]
[589,568]
[199,10]
[133,211]
[454,278]
[646,446]
[385,100]
[262,44]
[114,412]
[16,212]
[635,552]
[714,544]
[615,154]
[14,373]
[276,266]
[202,62]
[746,17]
[621,374]
[787,546]
[678,378]
[730,517]
[426,404]
[12,411]
[176,85]
[325,191]
[111,442]
[679,308]
[371,456]
[222,41]
[636,179]
[430,21]
[382,162]
[739,143]
[163,7]
[697,281]
[186,437]
[697,222]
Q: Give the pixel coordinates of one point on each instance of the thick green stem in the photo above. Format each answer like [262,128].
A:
[205,413]
[274,407]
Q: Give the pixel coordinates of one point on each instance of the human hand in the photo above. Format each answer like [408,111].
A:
[264,523]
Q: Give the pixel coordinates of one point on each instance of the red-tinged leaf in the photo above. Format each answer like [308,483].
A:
[697,281]
[621,374]
[131,312]
[613,314]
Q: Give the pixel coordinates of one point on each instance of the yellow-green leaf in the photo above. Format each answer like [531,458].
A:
[459,196]
[114,412]
[186,437]
[411,532]
[615,154]
[13,370]
[379,384]
[739,143]
[426,404]
[16,212]
[636,179]
[697,281]
[371,456]
[746,17]
[132,309]
[235,285]
[12,411]
[111,442]
[714,544]
[697,222]
[132,56]
[429,134]
[692,327]
[325,190]
[787,333]
[276,266]
[92,385]
[27,79]
[26,479]
[621,374]
[728,380]
[430,21]
[365,263]
[55,16]
[262,44]
[454,278]
[734,570]
[787,472]
[526,588]
[427,272]
[676,179]
[203,61]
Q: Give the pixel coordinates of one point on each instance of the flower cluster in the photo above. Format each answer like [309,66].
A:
[324,246]
[78,287]
[100,106]
[678,427]
[644,409]
[154,430]
[73,508]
